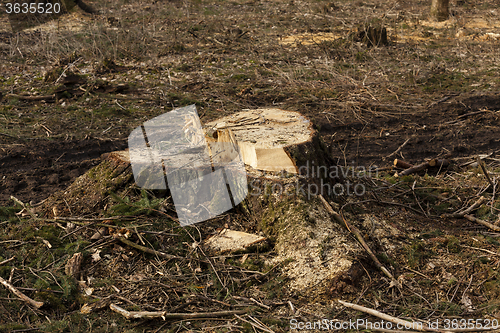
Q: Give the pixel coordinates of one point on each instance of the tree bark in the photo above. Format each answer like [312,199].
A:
[440,10]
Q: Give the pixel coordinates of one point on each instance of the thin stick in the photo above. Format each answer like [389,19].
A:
[147,249]
[20,294]
[82,219]
[459,213]
[485,223]
[31,98]
[169,316]
[480,249]
[6,261]
[398,150]
[254,325]
[414,169]
[481,164]
[360,238]
[378,314]
[10,136]
[416,325]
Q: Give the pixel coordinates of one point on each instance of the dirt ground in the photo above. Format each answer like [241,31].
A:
[35,173]
[74,88]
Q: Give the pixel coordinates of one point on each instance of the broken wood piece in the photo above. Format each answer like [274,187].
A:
[398,150]
[402,164]
[439,162]
[19,294]
[73,265]
[413,169]
[485,172]
[169,316]
[482,222]
[233,241]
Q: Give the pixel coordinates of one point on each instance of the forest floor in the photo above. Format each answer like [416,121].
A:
[74,88]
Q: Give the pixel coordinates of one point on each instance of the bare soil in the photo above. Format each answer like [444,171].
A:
[32,174]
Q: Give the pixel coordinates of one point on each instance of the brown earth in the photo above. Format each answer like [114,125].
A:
[33,170]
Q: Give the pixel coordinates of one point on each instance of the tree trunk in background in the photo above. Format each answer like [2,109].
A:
[440,10]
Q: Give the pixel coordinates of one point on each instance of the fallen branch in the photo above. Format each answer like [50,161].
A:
[59,218]
[413,169]
[92,307]
[422,166]
[169,316]
[459,213]
[398,150]
[20,294]
[378,314]
[485,223]
[465,213]
[441,100]
[25,208]
[415,325]
[360,238]
[6,261]
[147,249]
[402,164]
[483,168]
[127,98]
[472,114]
[31,98]
[11,136]
[256,324]
[251,299]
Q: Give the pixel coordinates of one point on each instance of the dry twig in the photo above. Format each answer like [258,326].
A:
[19,294]
[398,150]
[169,316]
[360,238]
[483,168]
[422,166]
[6,261]
[460,213]
[416,325]
[485,223]
[147,249]
[31,98]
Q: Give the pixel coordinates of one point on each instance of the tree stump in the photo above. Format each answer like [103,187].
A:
[286,164]
[440,10]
